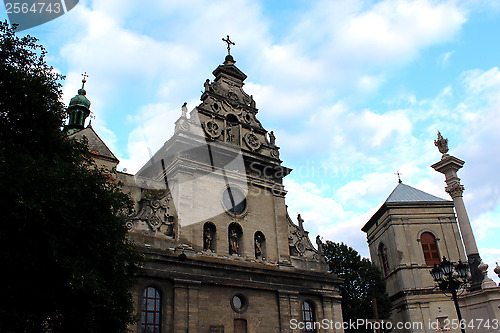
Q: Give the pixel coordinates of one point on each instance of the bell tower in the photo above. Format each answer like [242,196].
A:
[78,110]
[407,236]
[212,219]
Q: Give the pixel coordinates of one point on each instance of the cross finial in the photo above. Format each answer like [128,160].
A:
[85,76]
[399,177]
[229,43]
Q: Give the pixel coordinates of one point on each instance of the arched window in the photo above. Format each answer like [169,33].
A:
[240,326]
[382,253]
[308,317]
[151,311]
[430,249]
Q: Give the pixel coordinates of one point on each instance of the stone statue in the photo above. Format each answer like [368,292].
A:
[319,242]
[301,221]
[441,143]
[258,246]
[208,239]
[272,138]
[207,85]
[184,110]
[233,242]
[252,102]
[229,135]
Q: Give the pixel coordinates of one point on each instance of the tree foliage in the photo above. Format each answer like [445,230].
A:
[362,283]
[63,246]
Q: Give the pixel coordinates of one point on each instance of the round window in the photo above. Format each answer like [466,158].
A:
[239,303]
[234,200]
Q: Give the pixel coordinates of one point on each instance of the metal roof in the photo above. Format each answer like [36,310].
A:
[404,193]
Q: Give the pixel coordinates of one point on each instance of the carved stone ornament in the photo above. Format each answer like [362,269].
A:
[299,243]
[441,143]
[129,225]
[212,129]
[233,98]
[455,190]
[275,153]
[184,123]
[252,141]
[216,107]
[247,117]
[155,212]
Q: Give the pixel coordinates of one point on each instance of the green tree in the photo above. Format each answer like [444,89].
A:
[63,245]
[362,283]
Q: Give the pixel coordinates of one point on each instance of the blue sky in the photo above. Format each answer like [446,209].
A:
[354,90]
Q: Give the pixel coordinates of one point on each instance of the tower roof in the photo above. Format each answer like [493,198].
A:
[80,99]
[229,69]
[405,193]
[78,110]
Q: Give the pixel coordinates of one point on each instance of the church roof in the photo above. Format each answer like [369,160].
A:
[96,145]
[405,193]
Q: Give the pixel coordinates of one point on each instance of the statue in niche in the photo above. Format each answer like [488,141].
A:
[272,138]
[319,242]
[208,236]
[229,134]
[258,245]
[252,102]
[233,241]
[207,85]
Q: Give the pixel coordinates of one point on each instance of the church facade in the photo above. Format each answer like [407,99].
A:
[223,255]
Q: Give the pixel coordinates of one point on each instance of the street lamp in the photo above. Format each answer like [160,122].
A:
[451,277]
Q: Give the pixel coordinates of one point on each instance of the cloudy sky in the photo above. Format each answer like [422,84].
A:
[354,90]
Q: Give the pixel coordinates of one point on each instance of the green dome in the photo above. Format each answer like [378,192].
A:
[80,99]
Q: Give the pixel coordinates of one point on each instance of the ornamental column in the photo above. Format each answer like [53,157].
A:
[449,165]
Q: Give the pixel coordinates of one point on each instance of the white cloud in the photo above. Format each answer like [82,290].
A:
[444,58]
[370,83]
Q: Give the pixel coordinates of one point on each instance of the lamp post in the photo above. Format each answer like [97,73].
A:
[451,277]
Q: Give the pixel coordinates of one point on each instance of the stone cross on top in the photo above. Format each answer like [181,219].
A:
[229,43]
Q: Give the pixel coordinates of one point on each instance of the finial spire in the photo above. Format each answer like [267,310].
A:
[84,80]
[229,43]
[399,177]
